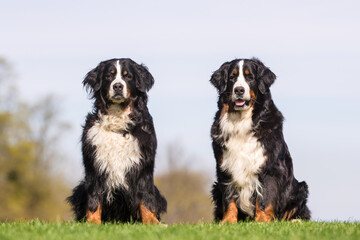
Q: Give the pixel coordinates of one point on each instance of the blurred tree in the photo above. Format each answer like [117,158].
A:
[29,188]
[187,191]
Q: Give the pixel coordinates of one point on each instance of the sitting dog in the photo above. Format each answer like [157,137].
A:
[118,147]
[254,168]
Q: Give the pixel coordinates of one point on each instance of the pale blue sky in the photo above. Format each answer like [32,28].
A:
[313,47]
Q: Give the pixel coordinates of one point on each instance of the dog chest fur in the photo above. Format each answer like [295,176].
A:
[242,158]
[116,152]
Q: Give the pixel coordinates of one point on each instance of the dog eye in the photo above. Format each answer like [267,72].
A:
[233,74]
[129,76]
[250,77]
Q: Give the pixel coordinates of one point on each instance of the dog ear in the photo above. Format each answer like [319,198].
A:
[144,80]
[93,80]
[220,77]
[264,75]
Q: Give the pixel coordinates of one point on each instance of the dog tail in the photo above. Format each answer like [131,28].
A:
[78,201]
[162,203]
[303,211]
[217,200]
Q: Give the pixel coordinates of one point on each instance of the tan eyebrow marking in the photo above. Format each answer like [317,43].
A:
[235,71]
[247,72]
[125,72]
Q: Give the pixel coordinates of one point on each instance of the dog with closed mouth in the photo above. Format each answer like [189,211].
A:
[254,169]
[118,148]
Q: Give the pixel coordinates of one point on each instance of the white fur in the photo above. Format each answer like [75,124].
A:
[118,79]
[115,153]
[242,158]
[241,82]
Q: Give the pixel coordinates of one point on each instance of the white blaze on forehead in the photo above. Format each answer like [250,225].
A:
[118,79]
[241,82]
[118,71]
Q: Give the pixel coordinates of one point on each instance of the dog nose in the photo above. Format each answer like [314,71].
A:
[118,87]
[239,91]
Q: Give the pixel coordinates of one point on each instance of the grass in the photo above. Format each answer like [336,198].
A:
[247,230]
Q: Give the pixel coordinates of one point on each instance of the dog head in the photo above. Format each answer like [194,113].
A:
[117,81]
[240,81]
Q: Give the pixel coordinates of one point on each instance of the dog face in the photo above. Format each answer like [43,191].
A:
[240,81]
[116,81]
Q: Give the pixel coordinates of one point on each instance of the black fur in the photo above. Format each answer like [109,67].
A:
[279,186]
[92,191]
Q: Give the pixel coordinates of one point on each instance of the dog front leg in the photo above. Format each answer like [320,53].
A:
[266,204]
[94,217]
[231,214]
[147,216]
[264,215]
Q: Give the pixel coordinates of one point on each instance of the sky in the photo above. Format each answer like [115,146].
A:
[312,47]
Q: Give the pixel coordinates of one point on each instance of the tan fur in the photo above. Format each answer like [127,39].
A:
[266,215]
[94,217]
[147,216]
[231,213]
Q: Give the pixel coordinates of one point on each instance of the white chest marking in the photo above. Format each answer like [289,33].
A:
[243,158]
[115,153]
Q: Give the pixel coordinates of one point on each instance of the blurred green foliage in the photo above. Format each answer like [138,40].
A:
[29,133]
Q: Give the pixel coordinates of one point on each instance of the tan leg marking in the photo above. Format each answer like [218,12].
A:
[264,216]
[289,214]
[231,213]
[94,217]
[147,216]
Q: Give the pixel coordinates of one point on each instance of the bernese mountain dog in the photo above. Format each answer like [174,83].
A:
[254,169]
[118,148]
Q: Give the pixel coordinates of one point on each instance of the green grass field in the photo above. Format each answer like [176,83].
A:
[248,230]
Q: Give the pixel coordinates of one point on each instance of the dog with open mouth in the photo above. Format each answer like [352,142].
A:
[254,169]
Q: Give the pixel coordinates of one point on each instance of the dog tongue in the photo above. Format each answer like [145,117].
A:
[239,102]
